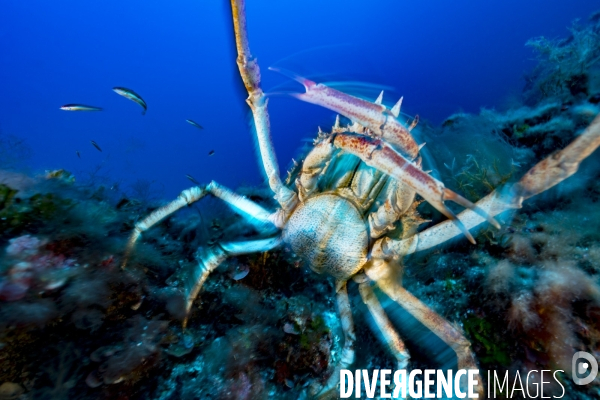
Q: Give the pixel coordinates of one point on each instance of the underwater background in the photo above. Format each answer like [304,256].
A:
[73,325]
[443,57]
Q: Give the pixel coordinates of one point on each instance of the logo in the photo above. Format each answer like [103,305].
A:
[580,368]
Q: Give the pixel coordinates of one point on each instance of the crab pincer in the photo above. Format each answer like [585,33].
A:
[378,154]
[374,116]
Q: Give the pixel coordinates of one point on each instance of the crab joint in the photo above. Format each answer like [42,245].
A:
[376,153]
[184,199]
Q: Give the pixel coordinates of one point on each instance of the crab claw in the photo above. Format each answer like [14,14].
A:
[378,154]
[374,116]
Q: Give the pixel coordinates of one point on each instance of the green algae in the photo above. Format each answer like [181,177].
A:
[493,349]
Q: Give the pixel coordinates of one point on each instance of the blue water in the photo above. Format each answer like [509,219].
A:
[442,56]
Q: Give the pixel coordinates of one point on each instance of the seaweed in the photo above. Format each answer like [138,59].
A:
[565,64]
[18,215]
[477,180]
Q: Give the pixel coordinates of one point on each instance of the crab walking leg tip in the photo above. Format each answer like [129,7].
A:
[458,199]
[490,219]
[443,208]
[465,232]
[463,229]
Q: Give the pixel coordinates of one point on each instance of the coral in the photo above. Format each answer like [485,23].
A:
[23,247]
[31,266]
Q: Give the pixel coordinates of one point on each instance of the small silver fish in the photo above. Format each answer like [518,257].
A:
[79,107]
[77,152]
[96,145]
[133,96]
[210,153]
[197,125]
[191,178]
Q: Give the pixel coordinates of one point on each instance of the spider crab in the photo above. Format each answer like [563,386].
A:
[357,184]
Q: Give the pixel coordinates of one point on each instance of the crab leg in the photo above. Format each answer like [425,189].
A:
[347,357]
[209,259]
[378,154]
[242,205]
[390,336]
[185,198]
[250,73]
[544,175]
[383,274]
[374,116]
[559,166]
